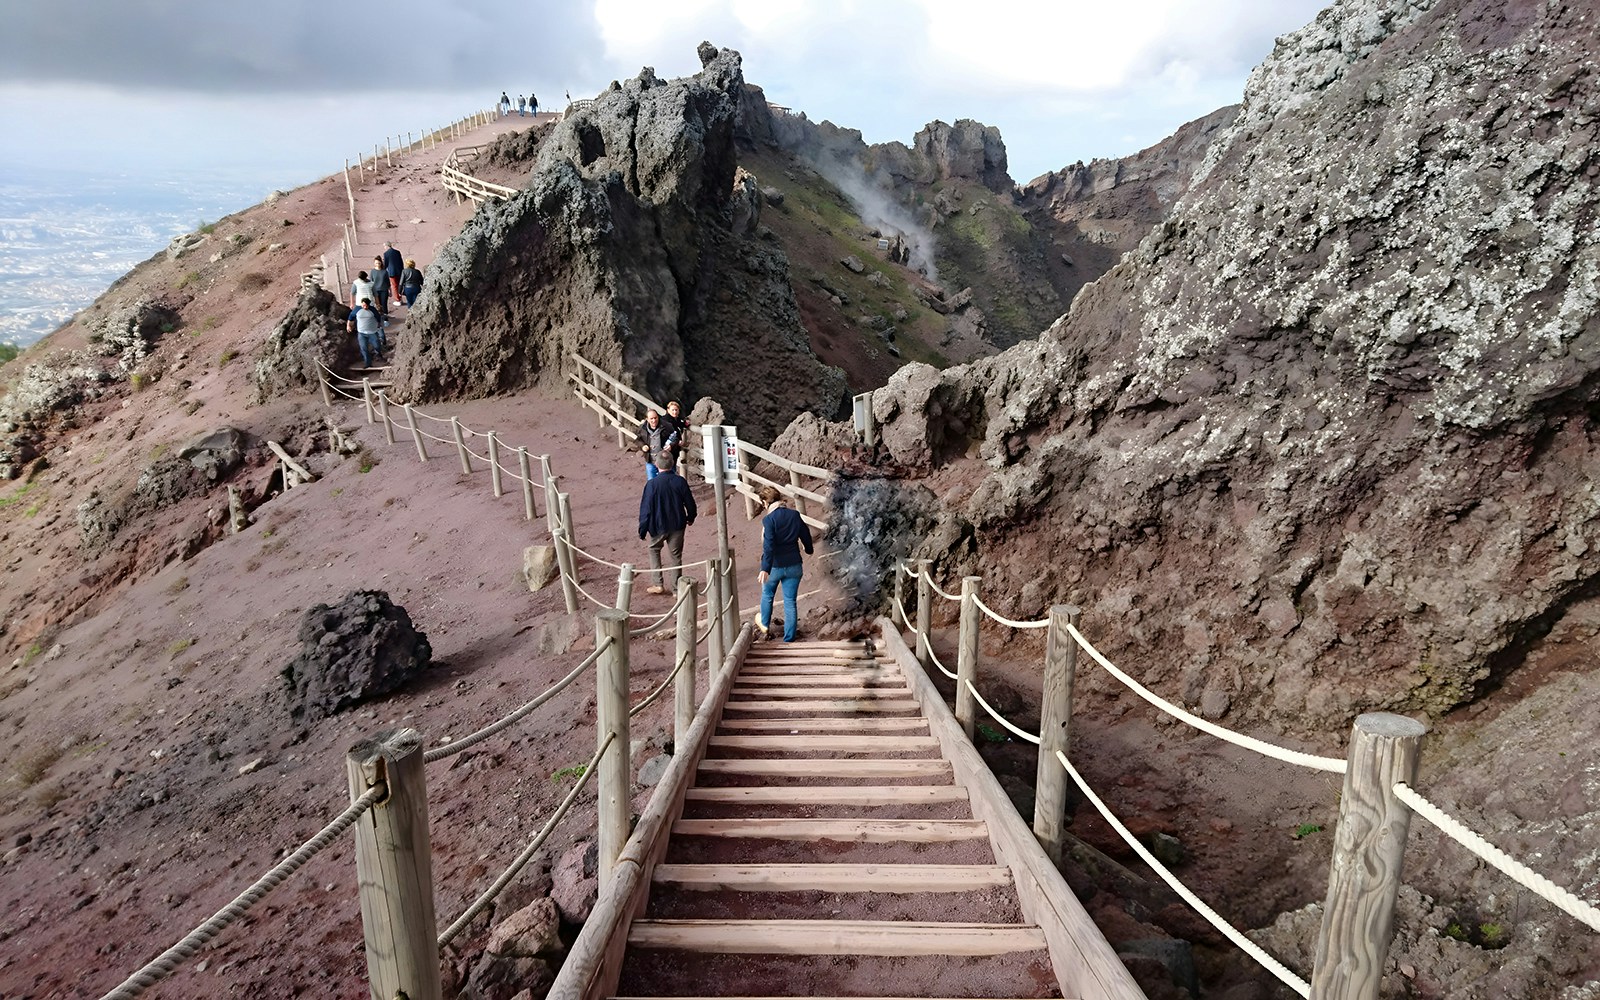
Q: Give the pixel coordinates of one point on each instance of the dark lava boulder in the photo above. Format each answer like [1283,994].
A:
[310,337]
[363,647]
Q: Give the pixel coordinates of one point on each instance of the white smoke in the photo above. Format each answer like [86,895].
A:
[874,201]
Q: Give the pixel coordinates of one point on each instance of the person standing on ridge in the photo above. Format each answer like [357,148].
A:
[522,106]
[666,508]
[393,264]
[505,104]
[783,532]
[533,104]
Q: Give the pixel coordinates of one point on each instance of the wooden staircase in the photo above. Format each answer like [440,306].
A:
[826,849]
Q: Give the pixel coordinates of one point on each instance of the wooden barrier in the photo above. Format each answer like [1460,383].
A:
[394,867]
[924,647]
[1368,854]
[611,712]
[967,654]
[1055,717]
[684,663]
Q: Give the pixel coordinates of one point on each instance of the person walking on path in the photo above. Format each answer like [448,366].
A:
[505,104]
[360,289]
[656,437]
[380,286]
[666,508]
[533,104]
[393,264]
[522,106]
[368,328]
[680,428]
[411,283]
[783,532]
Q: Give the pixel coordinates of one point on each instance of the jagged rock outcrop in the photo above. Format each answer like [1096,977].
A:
[624,247]
[1327,439]
[310,338]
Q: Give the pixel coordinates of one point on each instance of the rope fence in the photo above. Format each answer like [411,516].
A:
[163,965]
[650,698]
[1021,734]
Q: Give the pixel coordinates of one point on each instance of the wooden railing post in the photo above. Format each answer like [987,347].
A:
[616,414]
[1055,718]
[551,508]
[897,613]
[383,414]
[730,597]
[366,396]
[1368,852]
[327,397]
[870,424]
[967,653]
[529,511]
[625,587]
[411,425]
[924,611]
[683,702]
[461,446]
[611,711]
[494,467]
[713,434]
[565,501]
[568,567]
[799,501]
[714,647]
[394,867]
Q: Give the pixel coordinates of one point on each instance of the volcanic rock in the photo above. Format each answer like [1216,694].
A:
[310,338]
[361,648]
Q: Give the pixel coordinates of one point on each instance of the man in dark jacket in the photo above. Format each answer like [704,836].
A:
[783,533]
[393,264]
[656,437]
[665,510]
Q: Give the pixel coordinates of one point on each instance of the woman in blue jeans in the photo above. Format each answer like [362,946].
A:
[783,532]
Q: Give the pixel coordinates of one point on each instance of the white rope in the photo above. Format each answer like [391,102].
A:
[1249,947]
[650,698]
[594,558]
[937,662]
[1334,764]
[526,855]
[646,629]
[903,616]
[164,964]
[1041,623]
[592,599]
[456,746]
[924,575]
[996,716]
[447,442]
[1523,875]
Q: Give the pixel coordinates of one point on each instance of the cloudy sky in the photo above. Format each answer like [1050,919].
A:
[287,85]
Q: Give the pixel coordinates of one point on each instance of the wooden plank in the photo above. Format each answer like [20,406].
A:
[861,692]
[828,767]
[1085,964]
[835,937]
[841,705]
[831,795]
[812,742]
[787,998]
[823,679]
[871,724]
[834,878]
[843,668]
[860,831]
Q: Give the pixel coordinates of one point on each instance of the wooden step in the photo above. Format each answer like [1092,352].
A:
[849,744]
[835,937]
[820,692]
[794,726]
[862,705]
[861,831]
[829,795]
[794,680]
[834,878]
[829,767]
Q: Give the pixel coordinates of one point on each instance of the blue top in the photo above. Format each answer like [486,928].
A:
[393,263]
[783,531]
[666,505]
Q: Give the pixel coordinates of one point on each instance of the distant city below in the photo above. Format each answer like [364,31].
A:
[65,237]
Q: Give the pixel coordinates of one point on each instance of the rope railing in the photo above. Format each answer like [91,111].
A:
[1335,765]
[1518,872]
[1022,734]
[1248,946]
[938,662]
[516,715]
[1002,619]
[647,629]
[924,574]
[163,965]
[526,854]
[650,698]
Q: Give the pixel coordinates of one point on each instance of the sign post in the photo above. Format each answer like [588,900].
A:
[721,468]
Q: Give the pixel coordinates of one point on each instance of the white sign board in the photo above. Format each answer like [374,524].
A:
[728,461]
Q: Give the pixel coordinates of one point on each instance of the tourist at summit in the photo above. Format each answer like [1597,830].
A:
[380,286]
[656,437]
[522,106]
[505,104]
[393,264]
[666,508]
[533,104]
[410,283]
[783,532]
[367,325]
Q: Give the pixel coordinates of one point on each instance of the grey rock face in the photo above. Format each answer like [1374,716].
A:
[1328,433]
[363,647]
[310,337]
[634,244]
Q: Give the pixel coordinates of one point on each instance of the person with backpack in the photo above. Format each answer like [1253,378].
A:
[783,532]
[666,508]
